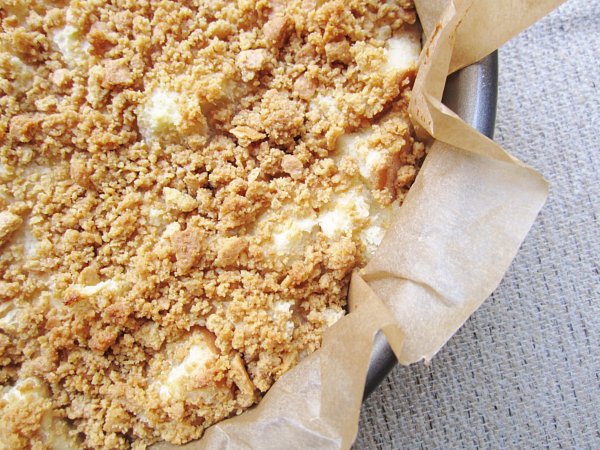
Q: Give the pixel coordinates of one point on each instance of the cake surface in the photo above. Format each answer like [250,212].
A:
[185,189]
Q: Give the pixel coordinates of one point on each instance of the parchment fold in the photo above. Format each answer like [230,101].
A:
[461,225]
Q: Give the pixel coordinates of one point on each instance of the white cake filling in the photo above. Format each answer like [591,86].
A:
[282,311]
[344,213]
[172,387]
[290,236]
[402,53]
[53,430]
[160,114]
[9,316]
[331,316]
[103,286]
[356,146]
[69,43]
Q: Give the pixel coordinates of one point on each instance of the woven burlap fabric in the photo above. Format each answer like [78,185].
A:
[524,371]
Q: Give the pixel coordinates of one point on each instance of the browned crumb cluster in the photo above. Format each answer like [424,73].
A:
[149,152]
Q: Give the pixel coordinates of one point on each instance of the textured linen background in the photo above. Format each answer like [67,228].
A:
[524,371]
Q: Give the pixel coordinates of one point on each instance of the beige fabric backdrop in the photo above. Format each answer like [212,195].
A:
[524,372]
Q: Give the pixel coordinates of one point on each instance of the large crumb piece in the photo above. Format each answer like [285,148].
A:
[117,74]
[251,62]
[188,245]
[24,127]
[230,250]
[9,223]
[338,52]
[277,29]
[179,200]
[292,166]
[282,117]
[246,135]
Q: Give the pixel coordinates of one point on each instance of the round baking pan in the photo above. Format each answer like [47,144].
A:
[472,94]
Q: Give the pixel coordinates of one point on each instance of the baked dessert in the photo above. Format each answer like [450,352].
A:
[185,188]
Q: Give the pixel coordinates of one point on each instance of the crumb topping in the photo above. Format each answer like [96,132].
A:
[185,188]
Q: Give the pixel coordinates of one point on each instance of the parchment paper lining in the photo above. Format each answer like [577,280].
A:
[461,225]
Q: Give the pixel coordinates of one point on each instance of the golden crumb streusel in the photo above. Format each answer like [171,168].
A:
[185,188]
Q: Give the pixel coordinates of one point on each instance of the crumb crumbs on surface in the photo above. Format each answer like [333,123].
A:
[185,189]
